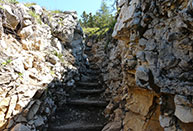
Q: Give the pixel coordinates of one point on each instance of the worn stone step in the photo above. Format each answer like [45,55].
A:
[86,102]
[77,126]
[91,91]
[86,115]
[89,77]
[93,84]
[91,72]
[94,67]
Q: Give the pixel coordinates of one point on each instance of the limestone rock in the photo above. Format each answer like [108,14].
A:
[113,126]
[39,121]
[37,9]
[12,20]
[1,27]
[184,110]
[20,127]
[26,32]
[142,76]
[5,78]
[4,104]
[64,31]
[33,110]
[12,105]
[166,121]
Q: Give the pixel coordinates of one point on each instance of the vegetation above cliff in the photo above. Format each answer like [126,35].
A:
[100,23]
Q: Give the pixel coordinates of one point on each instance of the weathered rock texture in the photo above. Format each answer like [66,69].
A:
[148,72]
[39,55]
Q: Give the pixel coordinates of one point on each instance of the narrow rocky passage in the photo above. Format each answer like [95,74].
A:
[85,104]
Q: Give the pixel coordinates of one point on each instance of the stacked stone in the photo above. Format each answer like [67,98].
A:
[155,54]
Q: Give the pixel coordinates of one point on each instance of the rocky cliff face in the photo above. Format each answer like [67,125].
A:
[40,54]
[148,72]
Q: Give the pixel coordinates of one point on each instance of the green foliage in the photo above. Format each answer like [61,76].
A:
[90,31]
[52,72]
[20,74]
[59,55]
[12,1]
[29,4]
[6,62]
[56,11]
[1,7]
[100,23]
[34,15]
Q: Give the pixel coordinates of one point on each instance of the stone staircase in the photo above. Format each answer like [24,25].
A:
[84,107]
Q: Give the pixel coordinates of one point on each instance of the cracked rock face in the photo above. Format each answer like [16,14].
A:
[35,64]
[163,38]
[153,54]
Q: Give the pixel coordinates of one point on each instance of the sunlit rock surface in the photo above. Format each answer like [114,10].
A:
[38,55]
[148,71]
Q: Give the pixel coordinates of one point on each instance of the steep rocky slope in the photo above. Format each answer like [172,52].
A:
[148,71]
[40,54]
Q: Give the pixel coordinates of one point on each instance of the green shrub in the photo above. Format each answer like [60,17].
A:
[29,4]
[56,11]
[6,62]
[59,55]
[12,1]
[37,17]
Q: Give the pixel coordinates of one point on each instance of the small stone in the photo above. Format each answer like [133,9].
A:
[12,105]
[165,121]
[37,9]
[26,32]
[20,119]
[39,121]
[4,104]
[5,78]
[53,59]
[20,127]
[70,83]
[113,126]
[27,22]
[183,111]
[33,110]
[10,124]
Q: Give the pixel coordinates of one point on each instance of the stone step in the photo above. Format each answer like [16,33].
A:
[85,102]
[93,84]
[89,78]
[77,126]
[91,91]
[93,66]
[91,72]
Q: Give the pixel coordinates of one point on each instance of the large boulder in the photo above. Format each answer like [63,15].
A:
[63,26]
[12,18]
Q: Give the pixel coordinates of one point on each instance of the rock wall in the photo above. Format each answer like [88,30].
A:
[148,71]
[40,52]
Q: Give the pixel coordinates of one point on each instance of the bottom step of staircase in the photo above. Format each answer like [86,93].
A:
[76,126]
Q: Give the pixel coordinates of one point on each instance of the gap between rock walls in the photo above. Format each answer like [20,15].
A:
[139,79]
